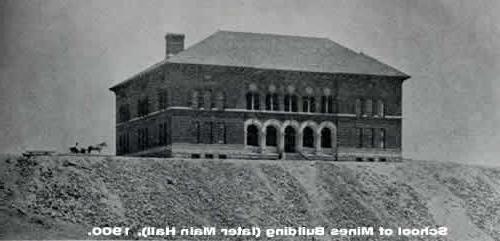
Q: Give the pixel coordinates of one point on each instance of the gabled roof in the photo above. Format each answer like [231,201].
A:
[281,52]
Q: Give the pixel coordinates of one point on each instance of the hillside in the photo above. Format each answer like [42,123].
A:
[62,197]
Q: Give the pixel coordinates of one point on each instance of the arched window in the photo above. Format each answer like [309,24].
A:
[207,100]
[253,101]
[252,135]
[327,104]
[290,103]
[380,108]
[200,100]
[220,101]
[368,109]
[326,138]
[271,136]
[308,137]
[272,102]
[308,104]
[358,107]
[194,99]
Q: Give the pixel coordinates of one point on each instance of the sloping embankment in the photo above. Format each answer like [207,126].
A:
[63,197]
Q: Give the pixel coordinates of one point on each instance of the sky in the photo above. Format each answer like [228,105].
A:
[58,59]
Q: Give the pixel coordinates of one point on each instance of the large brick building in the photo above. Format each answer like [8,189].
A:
[248,95]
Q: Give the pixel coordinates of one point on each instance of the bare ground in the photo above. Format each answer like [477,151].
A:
[62,197]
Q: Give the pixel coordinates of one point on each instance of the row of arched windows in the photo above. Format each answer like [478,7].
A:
[272,137]
[290,103]
[290,137]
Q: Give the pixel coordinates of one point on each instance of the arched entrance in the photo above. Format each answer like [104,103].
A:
[252,135]
[290,135]
[326,138]
[271,136]
[308,137]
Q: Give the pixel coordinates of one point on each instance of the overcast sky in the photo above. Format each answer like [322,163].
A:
[58,59]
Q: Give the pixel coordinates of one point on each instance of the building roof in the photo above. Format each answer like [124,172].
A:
[279,52]
[271,51]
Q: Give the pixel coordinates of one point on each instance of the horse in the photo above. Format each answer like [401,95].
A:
[74,149]
[97,147]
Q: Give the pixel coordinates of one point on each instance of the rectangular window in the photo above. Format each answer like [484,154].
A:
[360,137]
[120,145]
[197,129]
[139,139]
[123,143]
[124,113]
[146,105]
[162,99]
[143,138]
[139,108]
[143,107]
[372,137]
[146,138]
[126,143]
[221,133]
[162,133]
[211,132]
[382,138]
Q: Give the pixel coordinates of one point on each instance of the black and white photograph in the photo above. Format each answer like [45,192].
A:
[310,120]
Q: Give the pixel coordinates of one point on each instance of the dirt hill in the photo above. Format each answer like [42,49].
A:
[62,197]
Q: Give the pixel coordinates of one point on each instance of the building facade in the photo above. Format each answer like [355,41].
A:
[261,96]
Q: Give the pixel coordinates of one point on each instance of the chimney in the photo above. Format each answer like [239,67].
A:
[174,44]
